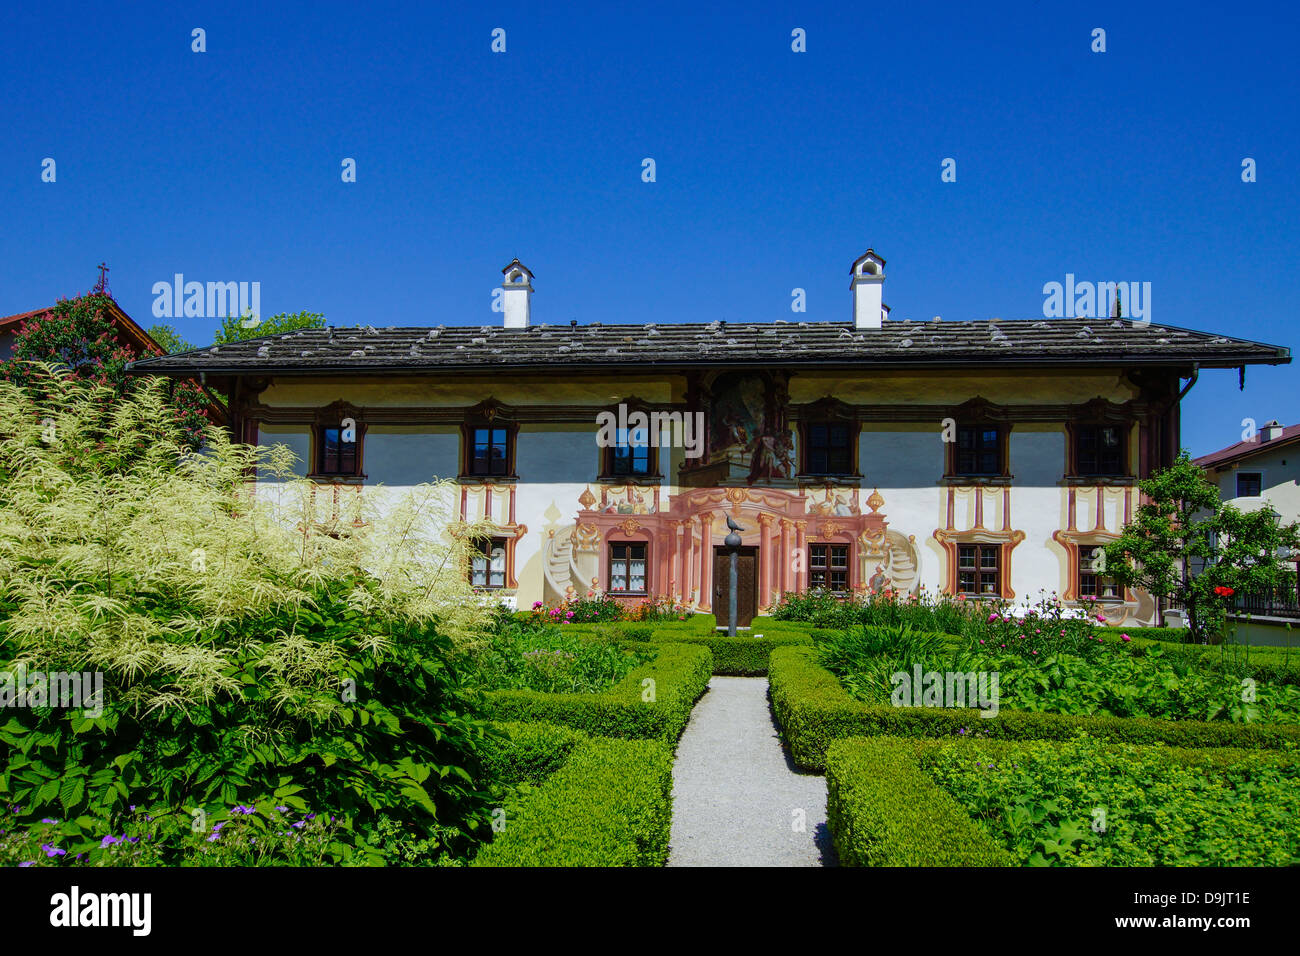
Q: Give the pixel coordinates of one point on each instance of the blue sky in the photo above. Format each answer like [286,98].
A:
[774,169]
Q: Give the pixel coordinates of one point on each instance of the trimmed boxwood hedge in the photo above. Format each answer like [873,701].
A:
[529,753]
[680,673]
[738,656]
[610,804]
[813,709]
[884,810]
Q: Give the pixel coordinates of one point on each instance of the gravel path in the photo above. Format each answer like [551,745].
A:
[735,793]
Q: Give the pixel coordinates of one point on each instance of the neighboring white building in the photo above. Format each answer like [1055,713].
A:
[1264,470]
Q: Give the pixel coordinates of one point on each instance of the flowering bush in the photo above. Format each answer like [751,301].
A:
[246,835]
[923,611]
[246,642]
[604,609]
[586,610]
[660,609]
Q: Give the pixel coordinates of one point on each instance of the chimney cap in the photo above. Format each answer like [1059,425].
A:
[868,264]
[515,272]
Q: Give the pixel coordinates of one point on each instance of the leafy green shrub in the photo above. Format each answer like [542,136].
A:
[522,656]
[865,656]
[738,656]
[1172,635]
[883,810]
[922,611]
[652,701]
[610,804]
[529,753]
[405,747]
[813,709]
[251,835]
[1087,802]
[1051,673]
[253,648]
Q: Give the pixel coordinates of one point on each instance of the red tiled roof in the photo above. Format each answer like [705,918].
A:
[127,326]
[1245,449]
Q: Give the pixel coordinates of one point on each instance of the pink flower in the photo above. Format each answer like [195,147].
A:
[994,617]
[981,642]
[1034,652]
[1125,638]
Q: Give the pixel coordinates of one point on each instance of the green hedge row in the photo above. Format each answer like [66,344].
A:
[632,708]
[529,753]
[884,810]
[1170,635]
[610,804]
[738,656]
[813,710]
[1264,663]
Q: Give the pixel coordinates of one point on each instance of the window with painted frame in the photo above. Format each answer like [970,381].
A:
[979,570]
[1093,581]
[487,568]
[627,568]
[828,567]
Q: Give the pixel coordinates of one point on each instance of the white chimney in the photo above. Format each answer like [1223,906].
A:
[868,283]
[518,290]
[1272,430]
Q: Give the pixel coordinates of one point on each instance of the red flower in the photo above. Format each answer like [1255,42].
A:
[1222,591]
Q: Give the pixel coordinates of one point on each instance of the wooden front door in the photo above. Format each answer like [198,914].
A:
[747,585]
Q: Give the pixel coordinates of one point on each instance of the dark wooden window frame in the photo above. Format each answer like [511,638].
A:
[488,415]
[1098,413]
[821,565]
[980,571]
[828,412]
[981,414]
[652,474]
[1100,580]
[1259,478]
[331,417]
[609,569]
[482,548]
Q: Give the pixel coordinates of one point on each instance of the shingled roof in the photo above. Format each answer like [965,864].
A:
[899,344]
[1247,449]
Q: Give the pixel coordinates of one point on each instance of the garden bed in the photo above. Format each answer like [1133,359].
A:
[898,801]
[653,701]
[813,709]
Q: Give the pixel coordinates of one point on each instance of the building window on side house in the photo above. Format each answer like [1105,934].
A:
[828,567]
[1093,581]
[1249,484]
[828,449]
[334,455]
[1099,450]
[627,568]
[487,568]
[978,451]
[979,568]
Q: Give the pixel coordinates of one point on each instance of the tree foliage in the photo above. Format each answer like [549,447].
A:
[233,329]
[79,335]
[169,340]
[1186,543]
